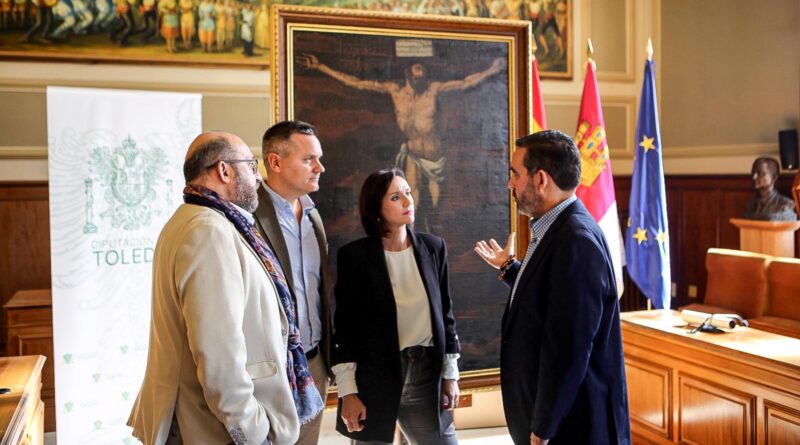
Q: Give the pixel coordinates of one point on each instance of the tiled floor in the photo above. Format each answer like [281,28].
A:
[328,436]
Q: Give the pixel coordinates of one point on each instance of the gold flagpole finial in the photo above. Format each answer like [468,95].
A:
[534,47]
[649,50]
[589,53]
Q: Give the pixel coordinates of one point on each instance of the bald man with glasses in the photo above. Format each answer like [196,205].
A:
[217,362]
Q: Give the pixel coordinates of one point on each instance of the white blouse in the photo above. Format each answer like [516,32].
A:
[411,299]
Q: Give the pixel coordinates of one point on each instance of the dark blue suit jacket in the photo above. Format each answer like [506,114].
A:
[561,365]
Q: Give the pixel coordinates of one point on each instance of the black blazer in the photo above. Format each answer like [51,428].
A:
[366,326]
[267,223]
[562,371]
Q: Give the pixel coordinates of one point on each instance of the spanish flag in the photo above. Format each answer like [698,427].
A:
[539,118]
[596,189]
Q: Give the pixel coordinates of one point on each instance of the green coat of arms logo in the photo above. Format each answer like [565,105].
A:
[129,175]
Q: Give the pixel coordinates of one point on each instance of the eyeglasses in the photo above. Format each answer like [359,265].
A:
[253,163]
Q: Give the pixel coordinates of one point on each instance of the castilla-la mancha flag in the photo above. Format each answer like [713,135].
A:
[596,189]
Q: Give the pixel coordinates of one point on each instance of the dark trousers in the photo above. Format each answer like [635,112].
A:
[419,400]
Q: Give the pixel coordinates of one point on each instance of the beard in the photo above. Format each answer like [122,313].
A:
[245,195]
[420,84]
[529,203]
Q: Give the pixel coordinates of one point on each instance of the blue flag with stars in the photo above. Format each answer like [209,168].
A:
[647,238]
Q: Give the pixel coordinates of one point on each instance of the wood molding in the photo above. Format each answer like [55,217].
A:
[40,152]
[699,151]
[31,152]
[630,44]
[37,76]
[710,412]
[651,397]
[626,102]
[782,423]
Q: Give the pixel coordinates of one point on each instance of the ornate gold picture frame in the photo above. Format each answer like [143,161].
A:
[233,33]
[350,74]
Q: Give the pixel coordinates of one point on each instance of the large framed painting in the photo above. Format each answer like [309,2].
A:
[197,32]
[442,99]
[232,32]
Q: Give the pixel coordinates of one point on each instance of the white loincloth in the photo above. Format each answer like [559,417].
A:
[433,170]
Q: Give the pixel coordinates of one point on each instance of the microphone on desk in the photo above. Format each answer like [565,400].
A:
[711,322]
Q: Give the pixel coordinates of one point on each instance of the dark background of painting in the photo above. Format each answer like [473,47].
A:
[359,135]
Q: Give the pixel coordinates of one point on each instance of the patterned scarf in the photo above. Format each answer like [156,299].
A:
[307,399]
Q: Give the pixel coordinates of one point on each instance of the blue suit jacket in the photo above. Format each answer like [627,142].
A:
[562,370]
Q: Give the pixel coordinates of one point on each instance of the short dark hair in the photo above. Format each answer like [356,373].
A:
[774,168]
[276,138]
[555,153]
[370,201]
[206,154]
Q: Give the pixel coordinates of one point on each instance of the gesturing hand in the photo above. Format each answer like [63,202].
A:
[493,254]
[353,410]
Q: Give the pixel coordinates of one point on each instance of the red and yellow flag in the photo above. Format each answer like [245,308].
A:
[539,118]
[596,189]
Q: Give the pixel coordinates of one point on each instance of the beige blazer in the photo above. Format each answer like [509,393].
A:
[218,339]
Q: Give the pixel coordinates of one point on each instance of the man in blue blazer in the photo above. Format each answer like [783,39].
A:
[562,371]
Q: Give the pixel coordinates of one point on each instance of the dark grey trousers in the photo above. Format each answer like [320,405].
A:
[418,396]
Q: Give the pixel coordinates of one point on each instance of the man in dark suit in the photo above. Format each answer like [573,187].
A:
[562,372]
[287,218]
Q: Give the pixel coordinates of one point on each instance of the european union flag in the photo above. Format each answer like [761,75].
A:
[647,238]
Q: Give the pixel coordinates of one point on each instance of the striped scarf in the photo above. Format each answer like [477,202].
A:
[307,399]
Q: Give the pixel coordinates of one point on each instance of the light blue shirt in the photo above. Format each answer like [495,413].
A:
[301,242]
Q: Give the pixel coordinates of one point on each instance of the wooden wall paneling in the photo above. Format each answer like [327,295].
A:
[699,220]
[720,395]
[699,209]
[632,298]
[782,424]
[41,343]
[650,396]
[734,201]
[29,318]
[711,413]
[25,240]
[675,237]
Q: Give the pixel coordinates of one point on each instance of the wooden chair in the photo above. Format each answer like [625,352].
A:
[782,315]
[737,283]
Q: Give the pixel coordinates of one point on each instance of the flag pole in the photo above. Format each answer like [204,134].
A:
[649,52]
[589,51]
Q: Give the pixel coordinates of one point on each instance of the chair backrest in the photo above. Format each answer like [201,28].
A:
[737,280]
[783,275]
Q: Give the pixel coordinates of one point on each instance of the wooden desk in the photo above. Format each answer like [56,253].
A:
[22,409]
[741,387]
[29,325]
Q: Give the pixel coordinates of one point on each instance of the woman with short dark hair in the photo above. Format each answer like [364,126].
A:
[396,342]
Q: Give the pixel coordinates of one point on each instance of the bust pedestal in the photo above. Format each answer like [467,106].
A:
[770,237]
